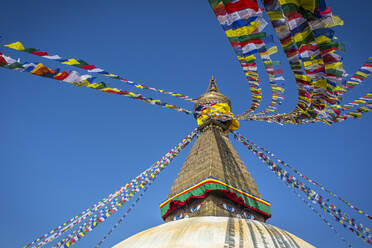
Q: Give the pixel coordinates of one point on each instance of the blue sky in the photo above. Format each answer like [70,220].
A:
[63,148]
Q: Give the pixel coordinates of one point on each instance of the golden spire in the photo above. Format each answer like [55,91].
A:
[212,95]
[212,85]
[213,161]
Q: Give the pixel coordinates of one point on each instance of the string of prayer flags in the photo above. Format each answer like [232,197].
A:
[291,181]
[78,80]
[310,54]
[82,231]
[279,23]
[275,75]
[92,69]
[357,114]
[74,78]
[321,217]
[282,30]
[360,75]
[310,45]
[123,217]
[242,22]
[335,111]
[129,189]
[304,177]
[317,45]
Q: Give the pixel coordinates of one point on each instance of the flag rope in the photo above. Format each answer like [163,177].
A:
[348,223]
[322,217]
[305,177]
[133,186]
[123,217]
[78,80]
[79,63]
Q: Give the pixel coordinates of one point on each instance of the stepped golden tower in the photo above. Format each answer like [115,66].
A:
[214,201]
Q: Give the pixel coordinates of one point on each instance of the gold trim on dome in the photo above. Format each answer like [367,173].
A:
[212,95]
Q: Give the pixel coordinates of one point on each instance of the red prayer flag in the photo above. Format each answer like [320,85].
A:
[61,76]
[308,47]
[40,53]
[88,67]
[219,10]
[326,11]
[241,5]
[293,15]
[2,60]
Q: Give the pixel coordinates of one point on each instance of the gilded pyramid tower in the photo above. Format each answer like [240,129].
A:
[214,201]
[213,180]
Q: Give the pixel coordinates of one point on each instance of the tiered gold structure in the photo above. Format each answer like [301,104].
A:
[213,156]
[214,217]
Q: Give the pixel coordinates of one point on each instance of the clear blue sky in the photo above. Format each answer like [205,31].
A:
[63,148]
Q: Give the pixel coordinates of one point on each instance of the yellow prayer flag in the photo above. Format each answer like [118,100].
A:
[362,74]
[303,77]
[306,4]
[305,99]
[41,70]
[83,83]
[71,62]
[270,51]
[248,58]
[322,83]
[302,36]
[322,39]
[356,114]
[111,75]
[275,15]
[335,21]
[277,88]
[365,109]
[93,85]
[16,45]
[326,122]
[245,30]
[339,88]
[314,62]
[334,66]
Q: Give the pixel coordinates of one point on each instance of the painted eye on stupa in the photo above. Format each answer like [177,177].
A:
[194,209]
[247,215]
[228,208]
[178,217]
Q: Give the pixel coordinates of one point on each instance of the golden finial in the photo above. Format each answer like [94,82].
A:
[212,85]
[212,95]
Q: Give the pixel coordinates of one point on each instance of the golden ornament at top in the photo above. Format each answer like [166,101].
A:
[212,95]
[214,104]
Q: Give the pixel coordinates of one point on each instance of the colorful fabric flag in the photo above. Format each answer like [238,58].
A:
[110,204]
[312,195]
[93,69]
